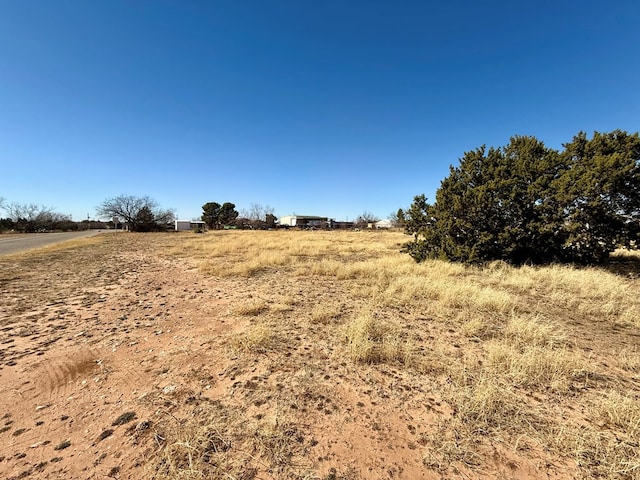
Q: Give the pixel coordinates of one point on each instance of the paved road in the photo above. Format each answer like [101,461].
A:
[17,243]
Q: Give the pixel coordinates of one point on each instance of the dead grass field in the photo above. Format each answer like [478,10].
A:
[312,355]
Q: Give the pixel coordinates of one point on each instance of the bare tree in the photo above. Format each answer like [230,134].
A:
[366,218]
[244,214]
[268,210]
[255,212]
[130,209]
[257,216]
[25,211]
[29,217]
[31,212]
[258,212]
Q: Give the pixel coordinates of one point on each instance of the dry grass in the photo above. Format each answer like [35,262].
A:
[532,353]
[197,446]
[519,325]
[628,358]
[540,361]
[372,340]
[597,453]
[619,411]
[534,331]
[327,312]
[535,367]
[250,307]
[257,339]
[450,447]
[217,441]
[588,293]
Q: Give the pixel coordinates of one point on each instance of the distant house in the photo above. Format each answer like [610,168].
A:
[383,224]
[187,225]
[305,221]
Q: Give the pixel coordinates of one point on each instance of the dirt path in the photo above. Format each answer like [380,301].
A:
[84,365]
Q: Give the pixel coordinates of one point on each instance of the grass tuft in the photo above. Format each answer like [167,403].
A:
[532,366]
[326,313]
[600,453]
[628,359]
[257,339]
[372,340]
[617,411]
[249,308]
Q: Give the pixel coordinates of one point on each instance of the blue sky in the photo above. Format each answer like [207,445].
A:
[331,107]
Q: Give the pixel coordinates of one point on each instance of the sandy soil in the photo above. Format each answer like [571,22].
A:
[80,348]
[105,352]
[140,336]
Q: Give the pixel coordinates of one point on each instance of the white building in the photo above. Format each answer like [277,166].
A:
[383,224]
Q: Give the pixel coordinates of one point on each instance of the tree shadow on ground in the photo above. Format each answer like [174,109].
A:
[624,266]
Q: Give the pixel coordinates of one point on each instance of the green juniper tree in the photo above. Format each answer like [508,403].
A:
[526,203]
[600,194]
[215,215]
[210,214]
[228,213]
[145,220]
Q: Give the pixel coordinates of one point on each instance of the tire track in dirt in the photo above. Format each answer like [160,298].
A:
[54,375]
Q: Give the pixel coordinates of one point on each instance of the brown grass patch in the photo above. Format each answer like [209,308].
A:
[301,354]
[372,340]
[250,307]
[257,339]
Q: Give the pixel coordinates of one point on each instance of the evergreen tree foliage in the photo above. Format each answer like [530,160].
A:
[215,215]
[600,194]
[271,220]
[145,220]
[210,214]
[526,203]
[228,213]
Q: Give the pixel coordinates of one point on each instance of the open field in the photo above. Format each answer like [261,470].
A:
[312,355]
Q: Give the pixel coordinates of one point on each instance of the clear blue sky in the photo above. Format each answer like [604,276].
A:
[329,107]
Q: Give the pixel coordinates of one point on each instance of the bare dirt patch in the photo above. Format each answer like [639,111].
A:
[264,355]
